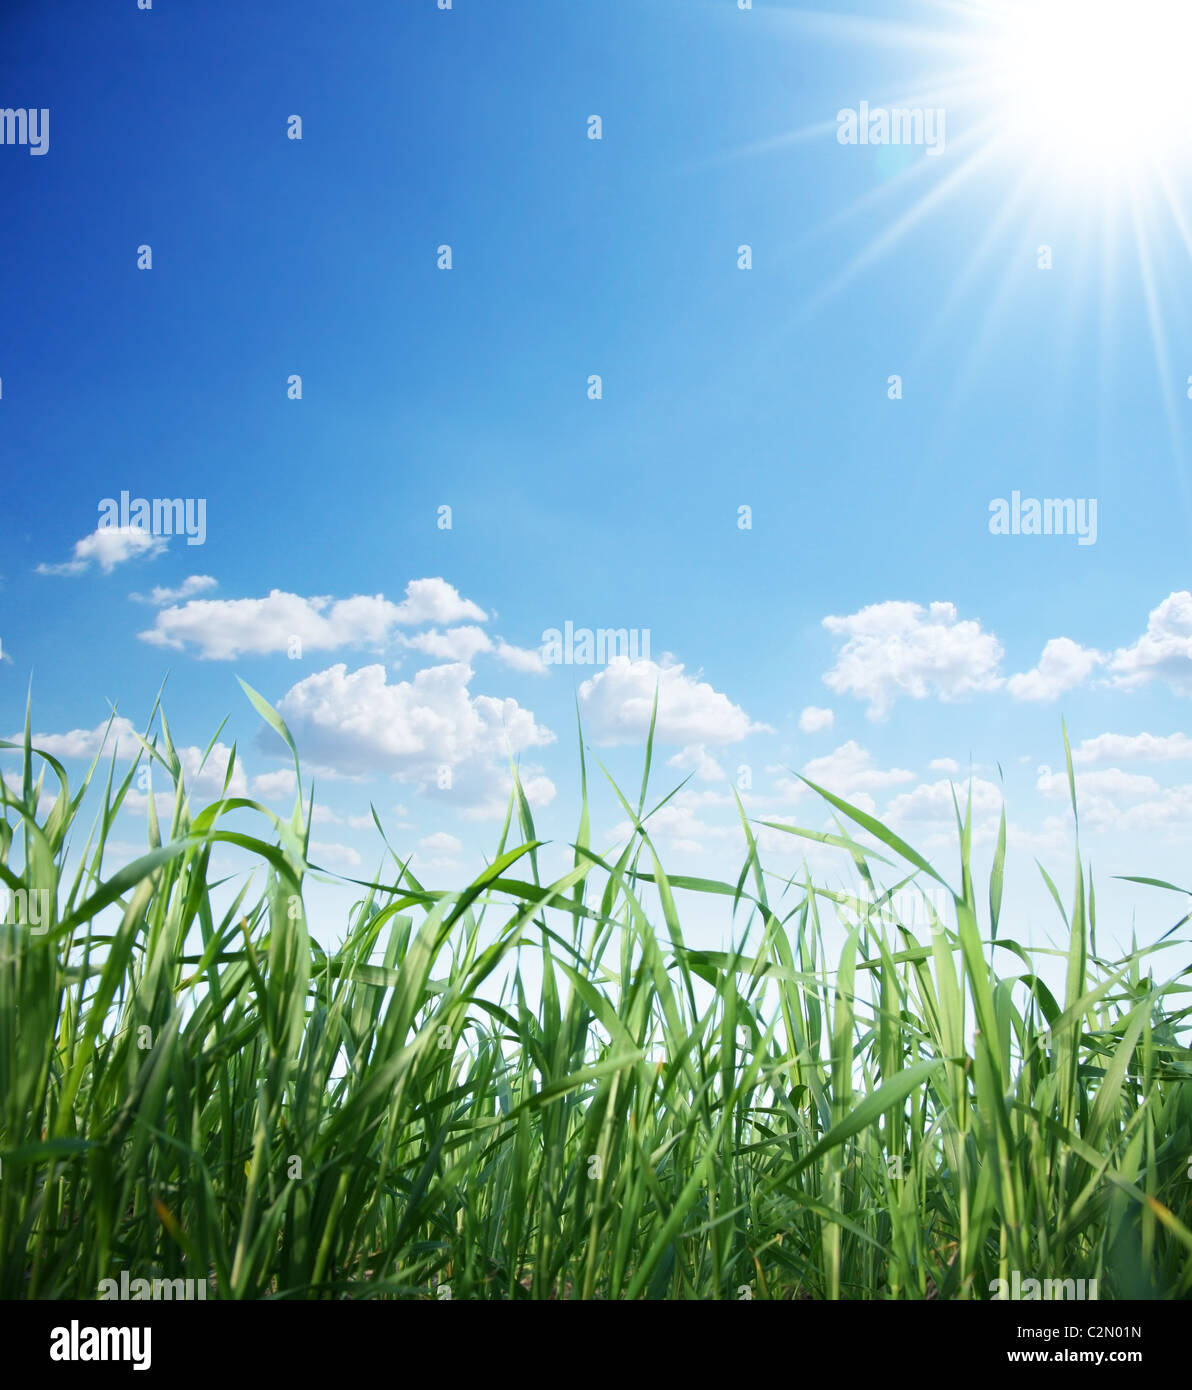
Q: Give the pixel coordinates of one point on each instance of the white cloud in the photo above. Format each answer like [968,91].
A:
[814,720]
[436,852]
[679,826]
[617,703]
[1154,748]
[429,730]
[1111,783]
[367,823]
[85,743]
[695,757]
[948,765]
[440,843]
[932,805]
[107,547]
[359,718]
[1111,799]
[898,648]
[456,644]
[464,643]
[282,783]
[850,769]
[210,779]
[225,628]
[345,855]
[191,585]
[1063,665]
[1164,651]
[436,601]
[822,861]
[526,659]
[1052,836]
[45,800]
[137,803]
[490,800]
[1169,814]
[202,779]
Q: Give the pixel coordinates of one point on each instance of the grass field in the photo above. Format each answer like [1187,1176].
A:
[203,1092]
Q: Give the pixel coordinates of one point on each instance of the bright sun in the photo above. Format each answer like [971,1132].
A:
[1099,86]
[1075,114]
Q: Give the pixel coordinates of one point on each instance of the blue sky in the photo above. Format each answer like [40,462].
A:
[722,388]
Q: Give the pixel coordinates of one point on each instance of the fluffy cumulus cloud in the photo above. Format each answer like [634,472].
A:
[429,730]
[850,769]
[814,720]
[107,547]
[1114,800]
[437,851]
[929,811]
[118,737]
[360,717]
[483,790]
[1121,748]
[617,702]
[526,659]
[191,585]
[896,649]
[899,649]
[948,765]
[465,643]
[203,776]
[1111,784]
[221,629]
[398,819]
[683,825]
[1169,815]
[696,758]
[439,843]
[206,775]
[203,773]
[268,785]
[45,799]
[1063,666]
[1163,652]
[331,852]
[456,644]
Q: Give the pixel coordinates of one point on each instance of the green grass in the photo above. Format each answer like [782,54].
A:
[522,1089]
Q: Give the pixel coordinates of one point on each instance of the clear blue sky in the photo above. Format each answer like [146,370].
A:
[721,388]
